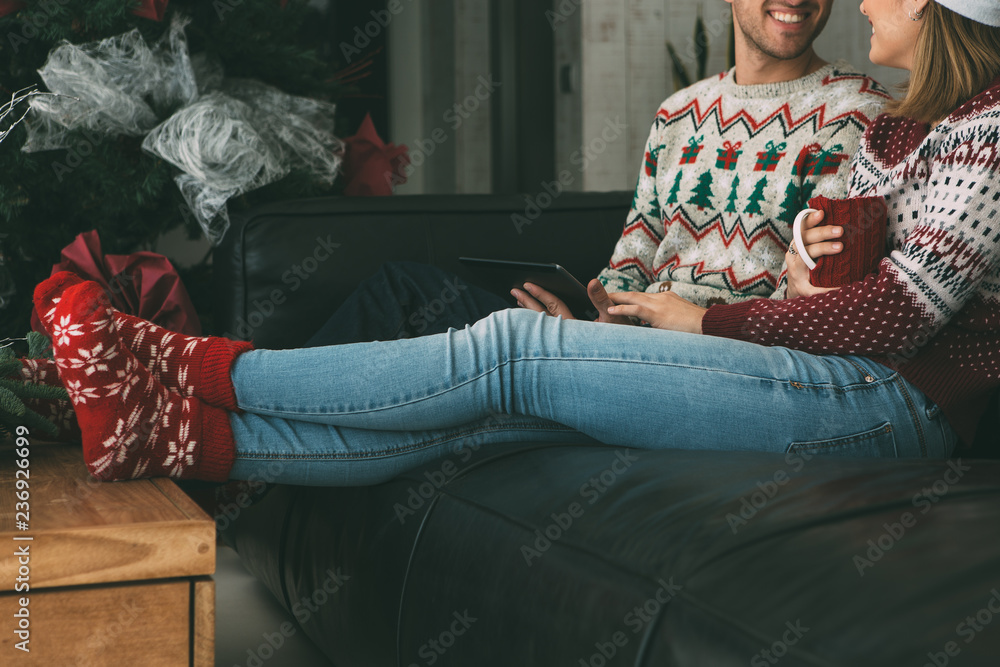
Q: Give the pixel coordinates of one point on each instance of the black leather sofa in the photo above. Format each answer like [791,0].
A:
[545,555]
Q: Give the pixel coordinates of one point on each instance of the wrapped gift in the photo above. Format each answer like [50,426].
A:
[372,167]
[689,154]
[806,160]
[767,160]
[827,161]
[652,158]
[728,155]
[144,284]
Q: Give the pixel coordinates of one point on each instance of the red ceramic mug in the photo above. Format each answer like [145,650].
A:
[864,220]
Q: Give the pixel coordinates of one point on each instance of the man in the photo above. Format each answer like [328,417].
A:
[729,163]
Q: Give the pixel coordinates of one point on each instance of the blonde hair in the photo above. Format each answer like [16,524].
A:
[955,59]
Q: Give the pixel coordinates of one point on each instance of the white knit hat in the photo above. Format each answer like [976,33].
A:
[980,11]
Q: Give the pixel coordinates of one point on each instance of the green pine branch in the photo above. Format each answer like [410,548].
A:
[24,390]
[14,391]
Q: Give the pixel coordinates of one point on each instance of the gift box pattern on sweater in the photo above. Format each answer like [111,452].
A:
[725,171]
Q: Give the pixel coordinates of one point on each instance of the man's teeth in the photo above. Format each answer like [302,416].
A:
[788,18]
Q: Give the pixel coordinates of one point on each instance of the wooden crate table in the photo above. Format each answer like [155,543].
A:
[118,572]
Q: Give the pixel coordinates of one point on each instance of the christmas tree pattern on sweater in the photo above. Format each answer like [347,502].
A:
[726,169]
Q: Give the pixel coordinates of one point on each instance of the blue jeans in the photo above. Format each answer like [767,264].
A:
[361,413]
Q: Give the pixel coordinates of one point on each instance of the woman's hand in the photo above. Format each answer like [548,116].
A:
[819,241]
[663,310]
[535,298]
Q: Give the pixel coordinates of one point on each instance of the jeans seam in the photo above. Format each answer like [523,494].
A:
[286,414]
[843,440]
[914,416]
[423,444]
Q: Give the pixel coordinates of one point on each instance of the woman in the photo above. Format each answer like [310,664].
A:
[899,364]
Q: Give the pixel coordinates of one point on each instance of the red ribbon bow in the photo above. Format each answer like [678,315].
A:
[144,284]
[372,167]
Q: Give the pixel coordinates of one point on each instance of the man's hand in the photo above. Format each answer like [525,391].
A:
[663,310]
[535,298]
[819,241]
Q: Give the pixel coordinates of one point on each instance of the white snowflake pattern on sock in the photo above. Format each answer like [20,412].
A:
[160,355]
[64,330]
[180,455]
[127,380]
[94,359]
[78,393]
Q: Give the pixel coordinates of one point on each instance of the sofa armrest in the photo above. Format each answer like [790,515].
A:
[283,268]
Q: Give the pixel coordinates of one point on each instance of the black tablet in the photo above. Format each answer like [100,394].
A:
[501,276]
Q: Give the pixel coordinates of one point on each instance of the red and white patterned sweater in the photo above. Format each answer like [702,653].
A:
[932,312]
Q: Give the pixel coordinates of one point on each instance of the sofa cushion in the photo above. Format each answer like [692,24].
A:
[554,555]
[283,269]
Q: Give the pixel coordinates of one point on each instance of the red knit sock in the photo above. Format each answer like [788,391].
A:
[188,365]
[60,413]
[132,425]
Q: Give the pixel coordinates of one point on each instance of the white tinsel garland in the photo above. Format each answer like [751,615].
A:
[227,136]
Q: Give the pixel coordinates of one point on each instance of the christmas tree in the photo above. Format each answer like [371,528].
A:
[792,203]
[756,197]
[807,192]
[731,206]
[702,197]
[109,183]
[672,197]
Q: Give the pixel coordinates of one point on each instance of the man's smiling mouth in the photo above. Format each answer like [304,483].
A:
[788,18]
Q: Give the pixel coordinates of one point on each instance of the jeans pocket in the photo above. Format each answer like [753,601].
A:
[876,442]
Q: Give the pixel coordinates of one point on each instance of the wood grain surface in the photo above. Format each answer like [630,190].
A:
[86,532]
[124,624]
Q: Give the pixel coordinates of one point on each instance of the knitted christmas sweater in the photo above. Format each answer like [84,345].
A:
[932,312]
[726,169]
